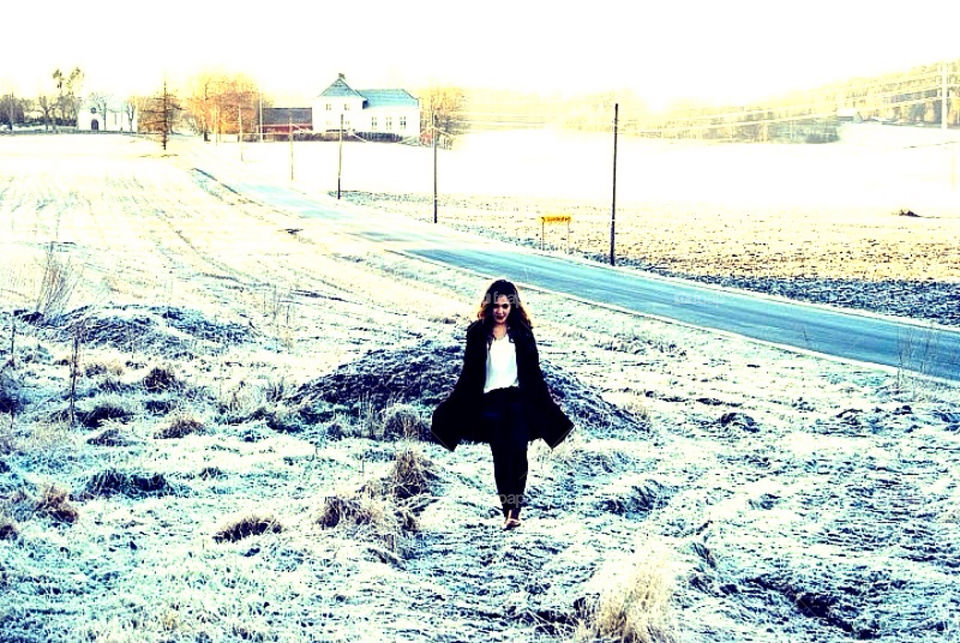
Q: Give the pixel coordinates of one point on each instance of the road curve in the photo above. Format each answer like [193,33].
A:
[929,350]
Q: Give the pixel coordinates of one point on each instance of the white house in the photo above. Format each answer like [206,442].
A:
[113,115]
[390,113]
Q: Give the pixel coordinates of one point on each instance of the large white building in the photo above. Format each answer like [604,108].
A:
[119,116]
[390,113]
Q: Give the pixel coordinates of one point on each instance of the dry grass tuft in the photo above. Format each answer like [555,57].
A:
[405,422]
[107,407]
[248,526]
[52,438]
[637,407]
[180,427]
[54,503]
[412,474]
[369,515]
[370,419]
[108,437]
[132,485]
[57,284]
[11,398]
[354,510]
[108,367]
[634,605]
[160,379]
[8,529]
[18,505]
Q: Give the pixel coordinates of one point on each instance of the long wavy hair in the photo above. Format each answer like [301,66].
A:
[518,317]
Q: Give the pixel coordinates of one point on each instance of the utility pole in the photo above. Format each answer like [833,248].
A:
[435,137]
[613,209]
[290,136]
[260,100]
[340,158]
[240,130]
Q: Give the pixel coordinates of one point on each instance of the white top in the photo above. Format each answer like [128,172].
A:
[501,364]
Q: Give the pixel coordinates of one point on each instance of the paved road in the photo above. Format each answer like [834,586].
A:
[849,335]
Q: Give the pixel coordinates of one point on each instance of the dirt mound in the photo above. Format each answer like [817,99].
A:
[424,374]
[172,332]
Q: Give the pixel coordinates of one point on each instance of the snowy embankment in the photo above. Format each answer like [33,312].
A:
[213,429]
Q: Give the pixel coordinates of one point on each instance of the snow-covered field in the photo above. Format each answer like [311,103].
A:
[243,459]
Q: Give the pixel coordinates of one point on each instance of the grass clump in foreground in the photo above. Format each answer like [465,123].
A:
[180,427]
[24,503]
[8,529]
[634,604]
[160,379]
[251,525]
[383,510]
[54,503]
[403,421]
[110,482]
[108,407]
[412,474]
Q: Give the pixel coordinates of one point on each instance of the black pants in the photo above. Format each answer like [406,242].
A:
[507,428]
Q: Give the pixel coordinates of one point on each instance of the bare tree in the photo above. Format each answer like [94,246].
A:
[447,103]
[11,110]
[68,88]
[218,102]
[158,113]
[131,111]
[47,108]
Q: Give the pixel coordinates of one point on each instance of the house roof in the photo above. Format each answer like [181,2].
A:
[283,115]
[340,89]
[388,98]
[373,97]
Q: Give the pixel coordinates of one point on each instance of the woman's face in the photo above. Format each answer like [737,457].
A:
[501,309]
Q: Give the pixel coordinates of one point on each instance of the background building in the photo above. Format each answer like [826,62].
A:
[106,114]
[390,114]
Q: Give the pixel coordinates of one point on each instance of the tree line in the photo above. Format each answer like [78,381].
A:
[212,104]
[56,107]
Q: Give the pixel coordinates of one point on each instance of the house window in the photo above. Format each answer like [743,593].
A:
[329,107]
[403,122]
[346,106]
[388,122]
[373,123]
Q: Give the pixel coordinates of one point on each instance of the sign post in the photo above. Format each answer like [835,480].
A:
[554,218]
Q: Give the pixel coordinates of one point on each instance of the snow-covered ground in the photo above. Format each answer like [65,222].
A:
[244,458]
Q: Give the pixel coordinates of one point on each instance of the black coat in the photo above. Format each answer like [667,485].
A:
[458,416]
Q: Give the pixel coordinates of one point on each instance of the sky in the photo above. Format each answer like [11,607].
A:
[724,52]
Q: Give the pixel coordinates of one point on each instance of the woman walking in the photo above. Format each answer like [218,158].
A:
[501,397]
